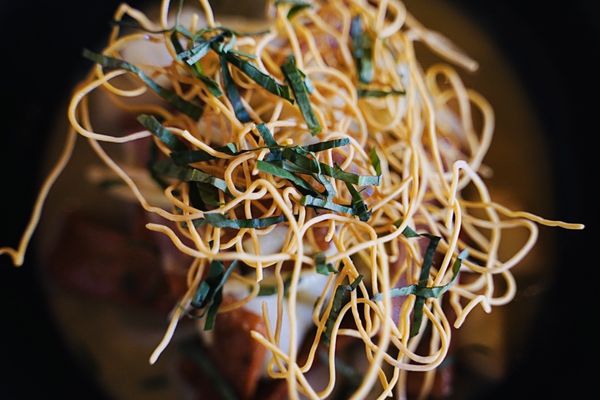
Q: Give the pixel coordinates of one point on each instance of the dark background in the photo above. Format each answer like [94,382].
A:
[553,50]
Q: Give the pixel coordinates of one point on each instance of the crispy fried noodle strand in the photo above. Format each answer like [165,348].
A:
[340,70]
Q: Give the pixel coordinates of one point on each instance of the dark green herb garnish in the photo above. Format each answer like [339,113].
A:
[340,298]
[152,160]
[358,204]
[276,170]
[294,10]
[187,174]
[191,109]
[420,290]
[312,166]
[269,290]
[163,134]
[221,221]
[193,156]
[375,161]
[267,136]
[233,93]
[417,317]
[362,50]
[264,80]
[427,292]
[213,308]
[203,194]
[349,177]
[322,266]
[296,80]
[379,93]
[292,2]
[408,232]
[218,43]
[310,88]
[296,6]
[243,54]
[326,145]
[200,297]
[301,163]
[200,48]
[269,140]
[326,204]
[329,188]
[211,84]
[209,294]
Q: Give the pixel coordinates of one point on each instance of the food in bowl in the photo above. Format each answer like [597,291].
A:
[316,195]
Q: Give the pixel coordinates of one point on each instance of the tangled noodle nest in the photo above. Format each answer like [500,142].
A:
[430,154]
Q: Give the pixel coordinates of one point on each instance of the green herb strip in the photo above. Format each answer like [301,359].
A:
[296,9]
[340,299]
[322,266]
[188,174]
[193,156]
[427,292]
[233,93]
[191,109]
[150,166]
[269,140]
[408,232]
[211,313]
[269,290]
[221,221]
[326,145]
[203,194]
[163,134]
[358,205]
[296,80]
[267,136]
[325,204]
[276,170]
[264,80]
[375,161]
[211,85]
[417,317]
[362,50]
[209,294]
[349,177]
[420,290]
[379,93]
[312,166]
[329,188]
[200,49]
[296,6]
